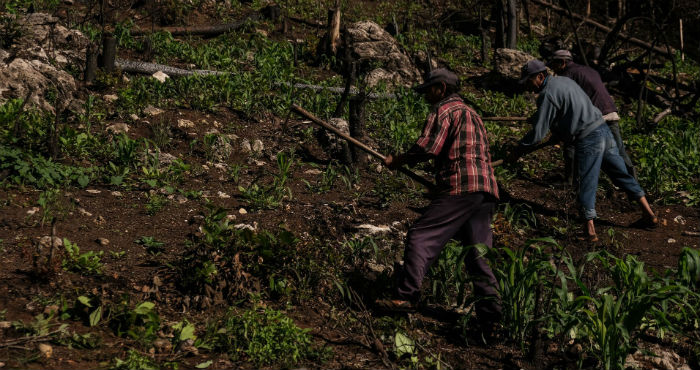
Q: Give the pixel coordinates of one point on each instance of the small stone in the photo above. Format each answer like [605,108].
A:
[51,308]
[100,220]
[313,171]
[110,98]
[185,123]
[187,346]
[84,212]
[246,148]
[223,195]
[245,227]
[162,345]
[117,194]
[258,146]
[367,229]
[118,128]
[46,350]
[679,220]
[93,191]
[242,211]
[221,166]
[45,241]
[230,217]
[160,76]
[5,324]
[671,240]
[33,210]
[102,241]
[258,163]
[152,111]
[133,117]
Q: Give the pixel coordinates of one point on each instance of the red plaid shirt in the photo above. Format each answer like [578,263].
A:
[455,137]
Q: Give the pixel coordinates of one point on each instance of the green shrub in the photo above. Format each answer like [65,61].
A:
[87,263]
[262,335]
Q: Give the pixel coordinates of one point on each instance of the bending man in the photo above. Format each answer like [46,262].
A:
[565,109]
[455,138]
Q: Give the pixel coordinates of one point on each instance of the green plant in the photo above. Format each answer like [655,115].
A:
[140,323]
[448,277]
[262,335]
[153,246]
[325,183]
[520,275]
[155,203]
[270,196]
[87,263]
[519,215]
[134,361]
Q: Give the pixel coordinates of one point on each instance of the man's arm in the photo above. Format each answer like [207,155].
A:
[541,123]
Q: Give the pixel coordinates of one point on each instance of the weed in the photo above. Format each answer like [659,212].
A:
[162,135]
[153,246]
[87,263]
[155,204]
[270,196]
[519,216]
[262,335]
[140,323]
[117,255]
[450,284]
[234,172]
[134,361]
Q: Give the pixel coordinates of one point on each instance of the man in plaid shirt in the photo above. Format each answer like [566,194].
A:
[455,138]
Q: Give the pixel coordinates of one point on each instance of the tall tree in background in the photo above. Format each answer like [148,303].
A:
[506,18]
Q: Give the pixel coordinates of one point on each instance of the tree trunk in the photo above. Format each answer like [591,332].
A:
[333,31]
[497,16]
[512,34]
[357,128]
[90,63]
[109,52]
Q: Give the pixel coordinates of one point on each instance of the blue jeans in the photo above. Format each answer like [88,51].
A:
[599,151]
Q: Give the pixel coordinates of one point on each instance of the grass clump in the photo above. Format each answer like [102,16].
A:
[262,335]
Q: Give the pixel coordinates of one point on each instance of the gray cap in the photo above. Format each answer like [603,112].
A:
[562,54]
[530,68]
[437,76]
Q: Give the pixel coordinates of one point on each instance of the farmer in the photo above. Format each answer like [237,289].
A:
[455,138]
[591,83]
[565,109]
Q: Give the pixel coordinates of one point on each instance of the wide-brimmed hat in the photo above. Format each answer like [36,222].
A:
[437,76]
[530,68]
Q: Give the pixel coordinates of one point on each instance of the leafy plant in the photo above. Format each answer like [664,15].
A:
[155,203]
[270,196]
[262,335]
[140,323]
[87,263]
[134,361]
[153,246]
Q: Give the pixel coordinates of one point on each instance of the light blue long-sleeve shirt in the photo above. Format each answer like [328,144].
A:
[565,109]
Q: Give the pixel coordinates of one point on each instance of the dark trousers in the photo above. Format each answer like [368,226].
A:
[570,169]
[466,218]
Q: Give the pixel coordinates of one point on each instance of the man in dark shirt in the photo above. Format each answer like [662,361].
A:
[462,208]
[562,64]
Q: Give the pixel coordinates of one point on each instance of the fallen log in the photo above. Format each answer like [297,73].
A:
[133,66]
[633,40]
